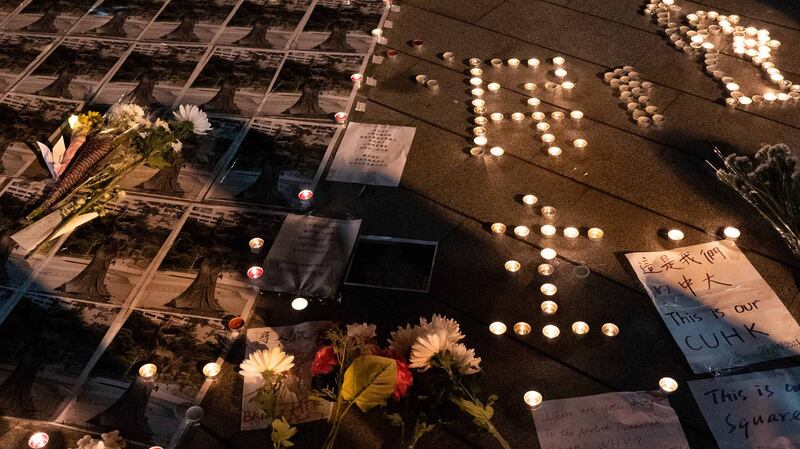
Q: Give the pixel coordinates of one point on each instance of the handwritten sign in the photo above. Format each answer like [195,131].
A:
[720,311]
[372,154]
[310,255]
[752,411]
[301,341]
[623,420]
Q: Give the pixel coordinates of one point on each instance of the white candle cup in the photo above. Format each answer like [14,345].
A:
[637,113]
[496,62]
[529,86]
[477,92]
[340,117]
[554,151]
[148,371]
[530,200]
[476,72]
[542,126]
[476,151]
[475,62]
[493,87]
[551,331]
[658,119]
[479,110]
[548,289]
[513,62]
[522,328]
[481,120]
[550,85]
[559,61]
[567,87]
[545,269]
[668,385]
[538,116]
[614,83]
[496,117]
[576,115]
[557,115]
[533,101]
[548,138]
[478,103]
[422,79]
[549,307]
[547,230]
[38,440]
[211,370]
[548,212]
[571,232]
[548,254]
[608,76]
[561,73]
[644,122]
[632,106]
[518,117]
[498,328]
[644,99]
[595,234]
[377,32]
[479,131]
[299,303]
[449,56]
[476,81]
[580,143]
[480,141]
[533,63]
[256,244]
[675,235]
[498,228]
[522,231]
[496,151]
[580,328]
[512,266]
[610,330]
[651,109]
[532,399]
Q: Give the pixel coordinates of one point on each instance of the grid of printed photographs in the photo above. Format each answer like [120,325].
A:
[161,276]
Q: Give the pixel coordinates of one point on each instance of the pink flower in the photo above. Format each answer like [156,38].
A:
[324,361]
[404,380]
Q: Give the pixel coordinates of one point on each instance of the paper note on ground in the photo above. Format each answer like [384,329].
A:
[372,154]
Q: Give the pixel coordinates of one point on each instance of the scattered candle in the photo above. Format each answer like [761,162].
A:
[38,440]
[548,289]
[478,102]
[305,195]
[532,398]
[493,87]
[480,140]
[675,234]
[576,115]
[731,233]
[548,138]
[548,230]
[571,232]
[256,244]
[513,62]
[549,307]
[568,85]
[496,62]
[530,200]
[545,269]
[448,56]
[551,331]
[610,330]
[498,328]
[548,212]
[475,62]
[668,384]
[542,126]
[529,86]
[211,370]
[560,73]
[554,151]
[299,303]
[477,92]
[356,77]
[548,254]
[558,60]
[72,121]
[255,272]
[580,328]
[480,120]
[496,116]
[496,151]
[595,234]
[770,97]
[580,143]
[533,62]
[498,228]
[476,72]
[533,101]
[340,117]
[522,328]
[377,32]
[557,115]
[475,81]
[518,116]
[538,115]
[148,371]
[522,231]
[512,266]
[235,323]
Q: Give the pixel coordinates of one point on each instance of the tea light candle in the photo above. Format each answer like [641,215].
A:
[580,143]
[551,331]
[211,370]
[475,62]
[549,307]
[568,86]
[522,231]
[256,244]
[38,440]
[255,272]
[545,269]
[148,371]
[522,328]
[675,235]
[731,233]
[377,32]
[480,140]
[493,87]
[448,56]
[496,151]
[479,110]
[476,72]
[538,116]
[496,116]
[548,254]
[560,73]
[576,115]
[299,303]
[595,234]
[532,398]
[542,126]
[559,61]
[533,101]
[548,212]
[513,62]
[512,266]
[571,232]
[475,81]
[480,120]
[422,79]
[477,92]
[533,63]
[340,117]
[769,97]
[732,87]
[550,85]
[668,384]
[356,77]
[548,289]
[548,138]
[610,330]
[478,102]
[745,101]
[580,328]
[518,116]
[554,151]
[557,115]
[548,230]
[530,200]
[496,62]
[498,228]
[529,86]
[498,328]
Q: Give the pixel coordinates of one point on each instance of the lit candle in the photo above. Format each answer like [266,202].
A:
[557,115]
[550,85]
[448,56]
[532,398]
[529,86]
[422,79]
[770,97]
[549,307]
[732,86]
[576,115]
[548,230]
[580,143]
[480,140]
[731,233]
[496,116]
[568,86]
[610,330]
[340,117]
[538,115]
[522,231]
[542,126]
[548,138]
[530,200]
[496,151]
[548,254]
[148,371]
[235,323]
[356,78]
[255,272]
[72,121]
[533,62]
[548,212]
[211,370]
[668,384]
[548,289]
[475,81]
[512,266]
[498,328]
[675,234]
[522,328]
[480,120]
[560,73]
[476,72]
[477,92]
[305,195]
[533,101]
[558,61]
[377,32]
[518,117]
[256,244]
[571,232]
[580,328]
[545,269]
[595,234]
[479,131]
[496,62]
[38,440]
[493,87]
[475,62]
[554,151]
[513,62]
[478,102]
[299,303]
[498,228]
[551,331]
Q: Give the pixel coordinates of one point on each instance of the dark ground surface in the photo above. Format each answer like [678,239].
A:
[631,182]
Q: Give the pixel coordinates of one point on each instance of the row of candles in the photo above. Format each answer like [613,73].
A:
[533,398]
[636,94]
[748,43]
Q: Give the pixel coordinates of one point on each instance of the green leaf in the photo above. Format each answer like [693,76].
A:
[395,419]
[480,414]
[369,381]
[282,432]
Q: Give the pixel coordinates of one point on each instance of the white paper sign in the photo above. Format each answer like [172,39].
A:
[623,420]
[752,411]
[372,154]
[310,255]
[301,341]
[720,311]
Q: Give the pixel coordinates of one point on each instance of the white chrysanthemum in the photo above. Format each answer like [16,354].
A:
[362,331]
[403,338]
[259,362]
[161,124]
[127,110]
[193,114]
[449,325]
[177,146]
[464,359]
[426,347]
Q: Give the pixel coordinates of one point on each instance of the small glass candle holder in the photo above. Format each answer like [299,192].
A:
[148,371]
[522,328]
[481,120]
[518,117]
[498,328]
[513,62]
[547,230]
[533,63]
[571,232]
[545,269]
[580,328]
[576,115]
[551,331]
[476,72]
[38,440]
[539,115]
[560,73]
[548,289]
[530,200]
[299,303]
[610,330]
[496,117]
[478,102]
[211,370]
[548,138]
[557,115]
[477,92]
[476,81]
[580,143]
[529,86]
[496,62]
[559,61]
[497,151]
[480,141]
[548,254]
[668,385]
[554,151]
[340,117]
[512,266]
[498,228]
[522,231]
[548,212]
[731,233]
[542,126]
[675,235]
[475,62]
[476,151]
[549,307]
[532,399]
[255,272]
[595,234]
[493,87]
[533,101]
[256,244]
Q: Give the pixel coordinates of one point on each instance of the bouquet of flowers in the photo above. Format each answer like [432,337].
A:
[102,151]
[770,182]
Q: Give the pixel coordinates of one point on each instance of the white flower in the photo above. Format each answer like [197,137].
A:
[464,359]
[162,124]
[126,110]
[177,146]
[403,338]
[449,325]
[193,114]
[273,360]
[426,347]
[362,332]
